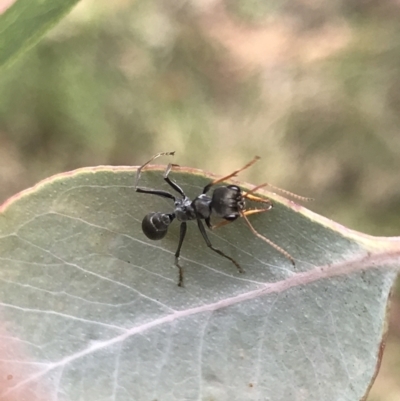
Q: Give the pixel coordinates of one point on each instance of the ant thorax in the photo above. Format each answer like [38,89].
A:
[202,206]
[184,210]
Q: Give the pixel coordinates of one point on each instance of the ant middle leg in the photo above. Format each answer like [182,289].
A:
[208,242]
[182,234]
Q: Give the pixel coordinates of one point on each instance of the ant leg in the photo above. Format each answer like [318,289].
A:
[268,241]
[171,183]
[162,193]
[255,211]
[236,172]
[208,242]
[221,224]
[246,212]
[139,170]
[208,222]
[182,234]
[255,198]
[158,192]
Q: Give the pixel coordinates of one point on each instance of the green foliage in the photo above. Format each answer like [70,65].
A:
[25,22]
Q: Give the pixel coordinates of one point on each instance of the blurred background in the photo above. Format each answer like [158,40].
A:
[311,86]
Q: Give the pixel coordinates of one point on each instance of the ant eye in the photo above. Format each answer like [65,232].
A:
[235,188]
[155,225]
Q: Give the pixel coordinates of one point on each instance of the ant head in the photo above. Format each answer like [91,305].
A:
[155,225]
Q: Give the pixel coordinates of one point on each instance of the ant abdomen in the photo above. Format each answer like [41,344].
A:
[155,225]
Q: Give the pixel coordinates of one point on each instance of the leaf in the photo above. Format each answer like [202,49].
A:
[91,310]
[25,22]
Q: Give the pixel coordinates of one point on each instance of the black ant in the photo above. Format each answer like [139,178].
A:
[227,202]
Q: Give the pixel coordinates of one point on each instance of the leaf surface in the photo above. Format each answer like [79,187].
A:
[90,308]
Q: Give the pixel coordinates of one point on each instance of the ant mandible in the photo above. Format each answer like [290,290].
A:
[227,202]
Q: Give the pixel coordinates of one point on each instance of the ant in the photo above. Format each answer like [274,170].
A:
[227,202]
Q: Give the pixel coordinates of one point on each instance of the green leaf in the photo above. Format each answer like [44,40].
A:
[91,310]
[25,22]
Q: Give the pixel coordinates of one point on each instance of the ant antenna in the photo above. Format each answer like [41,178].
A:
[284,191]
[234,174]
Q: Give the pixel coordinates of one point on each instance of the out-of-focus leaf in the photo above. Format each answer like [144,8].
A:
[25,22]
[91,309]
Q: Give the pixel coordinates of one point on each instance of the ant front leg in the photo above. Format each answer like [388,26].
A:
[247,212]
[249,195]
[265,239]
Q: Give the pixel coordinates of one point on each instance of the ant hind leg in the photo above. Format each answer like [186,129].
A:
[139,170]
